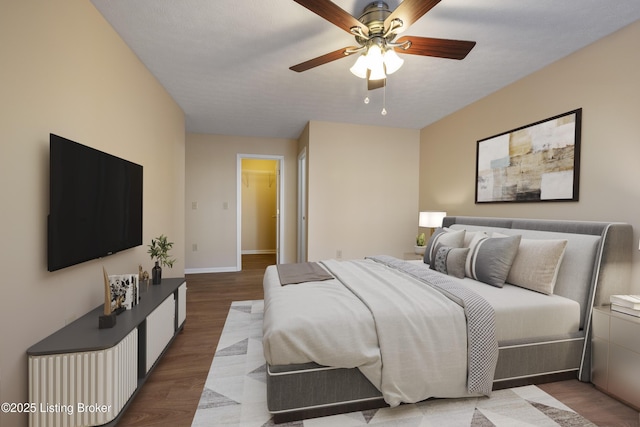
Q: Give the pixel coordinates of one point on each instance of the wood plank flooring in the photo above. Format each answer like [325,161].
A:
[171,394]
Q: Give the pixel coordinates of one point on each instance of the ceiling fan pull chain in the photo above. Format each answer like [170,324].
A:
[384,99]
[366,98]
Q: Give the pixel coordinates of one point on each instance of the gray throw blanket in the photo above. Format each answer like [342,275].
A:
[301,272]
[481,335]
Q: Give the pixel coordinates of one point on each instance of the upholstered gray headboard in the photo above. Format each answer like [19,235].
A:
[596,264]
[611,261]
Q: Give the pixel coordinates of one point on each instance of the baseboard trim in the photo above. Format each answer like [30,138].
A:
[258,252]
[211,270]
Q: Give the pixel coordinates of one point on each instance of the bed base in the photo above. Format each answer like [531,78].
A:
[310,390]
[296,392]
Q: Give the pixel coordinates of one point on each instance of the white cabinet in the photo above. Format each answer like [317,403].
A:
[65,380]
[83,364]
[160,330]
[182,304]
[615,354]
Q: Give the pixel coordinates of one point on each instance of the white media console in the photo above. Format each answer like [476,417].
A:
[85,376]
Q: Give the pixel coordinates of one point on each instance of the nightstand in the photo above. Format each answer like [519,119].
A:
[615,354]
[412,256]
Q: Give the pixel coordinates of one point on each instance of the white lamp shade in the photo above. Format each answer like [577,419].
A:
[377,72]
[374,57]
[431,219]
[375,62]
[392,61]
[359,69]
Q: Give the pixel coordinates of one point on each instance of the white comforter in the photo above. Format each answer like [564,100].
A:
[407,338]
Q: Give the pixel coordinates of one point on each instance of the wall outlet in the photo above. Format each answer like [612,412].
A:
[194,205]
[194,247]
[225,205]
[339,254]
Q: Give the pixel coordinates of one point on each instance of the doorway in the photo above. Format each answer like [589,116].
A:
[259,195]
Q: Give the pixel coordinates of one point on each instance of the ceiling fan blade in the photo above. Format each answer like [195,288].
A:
[332,13]
[409,11]
[440,48]
[320,60]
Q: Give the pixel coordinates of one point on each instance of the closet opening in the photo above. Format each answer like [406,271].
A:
[259,211]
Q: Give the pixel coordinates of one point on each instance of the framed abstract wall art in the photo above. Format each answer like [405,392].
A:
[539,162]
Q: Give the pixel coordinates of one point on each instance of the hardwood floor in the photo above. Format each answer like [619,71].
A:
[171,394]
[592,404]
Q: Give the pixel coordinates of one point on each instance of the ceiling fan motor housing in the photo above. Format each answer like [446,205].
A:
[373,17]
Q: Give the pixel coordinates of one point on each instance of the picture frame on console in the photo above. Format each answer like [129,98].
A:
[539,162]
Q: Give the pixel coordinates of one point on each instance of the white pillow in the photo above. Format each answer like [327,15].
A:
[445,237]
[537,264]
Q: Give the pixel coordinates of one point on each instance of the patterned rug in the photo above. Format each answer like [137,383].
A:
[235,393]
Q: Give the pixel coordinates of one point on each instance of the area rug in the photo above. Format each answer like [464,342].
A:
[235,393]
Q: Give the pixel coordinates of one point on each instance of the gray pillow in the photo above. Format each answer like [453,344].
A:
[450,261]
[491,259]
[444,236]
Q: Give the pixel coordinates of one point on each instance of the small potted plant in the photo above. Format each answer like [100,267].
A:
[159,251]
[420,244]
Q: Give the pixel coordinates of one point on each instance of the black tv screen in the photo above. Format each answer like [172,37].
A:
[95,204]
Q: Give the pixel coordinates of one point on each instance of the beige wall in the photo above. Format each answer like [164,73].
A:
[602,79]
[363,187]
[65,71]
[211,182]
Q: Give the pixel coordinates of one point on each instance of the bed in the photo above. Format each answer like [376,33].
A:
[497,302]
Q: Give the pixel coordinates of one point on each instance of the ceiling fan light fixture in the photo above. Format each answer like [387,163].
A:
[375,33]
[374,57]
[392,61]
[359,69]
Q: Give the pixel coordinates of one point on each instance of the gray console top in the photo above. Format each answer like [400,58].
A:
[84,335]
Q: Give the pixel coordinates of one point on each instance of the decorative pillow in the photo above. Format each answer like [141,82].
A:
[536,264]
[476,238]
[448,260]
[471,237]
[490,260]
[444,236]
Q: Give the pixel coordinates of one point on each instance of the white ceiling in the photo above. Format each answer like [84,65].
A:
[226,62]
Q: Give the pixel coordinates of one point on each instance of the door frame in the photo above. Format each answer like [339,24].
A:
[279,204]
[302,206]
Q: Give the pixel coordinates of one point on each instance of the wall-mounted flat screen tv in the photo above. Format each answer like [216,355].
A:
[95,204]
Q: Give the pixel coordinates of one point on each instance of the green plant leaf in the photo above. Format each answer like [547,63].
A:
[159,251]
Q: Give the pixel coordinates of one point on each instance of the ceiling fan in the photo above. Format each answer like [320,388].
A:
[375,32]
